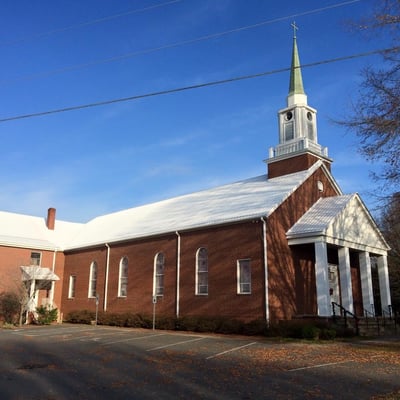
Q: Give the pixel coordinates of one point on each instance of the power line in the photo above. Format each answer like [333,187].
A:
[87,23]
[177,44]
[191,87]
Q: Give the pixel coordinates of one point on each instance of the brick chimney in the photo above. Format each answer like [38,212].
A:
[51,218]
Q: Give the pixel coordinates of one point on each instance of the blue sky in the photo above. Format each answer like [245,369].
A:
[103,159]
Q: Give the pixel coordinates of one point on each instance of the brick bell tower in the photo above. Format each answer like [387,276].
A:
[298,147]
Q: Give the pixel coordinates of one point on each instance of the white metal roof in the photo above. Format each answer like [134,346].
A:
[318,218]
[238,201]
[31,232]
[340,220]
[37,273]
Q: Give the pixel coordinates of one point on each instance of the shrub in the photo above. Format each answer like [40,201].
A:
[9,307]
[46,315]
[310,332]
[80,317]
[167,323]
[229,326]
[256,327]
[327,334]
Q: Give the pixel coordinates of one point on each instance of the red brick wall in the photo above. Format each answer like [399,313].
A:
[225,246]
[356,284]
[283,302]
[293,164]
[12,258]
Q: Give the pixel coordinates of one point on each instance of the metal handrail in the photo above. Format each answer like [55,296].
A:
[345,313]
[368,313]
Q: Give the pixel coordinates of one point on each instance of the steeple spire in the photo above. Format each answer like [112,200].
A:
[296,90]
[298,146]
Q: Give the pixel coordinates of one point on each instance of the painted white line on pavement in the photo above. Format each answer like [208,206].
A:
[230,350]
[134,338]
[319,366]
[175,344]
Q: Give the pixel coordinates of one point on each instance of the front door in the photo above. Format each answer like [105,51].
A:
[334,289]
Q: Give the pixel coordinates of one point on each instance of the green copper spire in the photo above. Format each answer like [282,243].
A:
[296,81]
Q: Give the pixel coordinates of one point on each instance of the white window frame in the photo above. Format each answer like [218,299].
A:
[243,282]
[123,278]
[158,281]
[36,258]
[72,286]
[93,275]
[201,273]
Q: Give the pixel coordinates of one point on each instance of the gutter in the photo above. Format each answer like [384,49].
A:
[106,279]
[266,299]
[178,272]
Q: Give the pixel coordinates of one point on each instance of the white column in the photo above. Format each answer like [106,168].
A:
[345,279]
[366,282]
[384,287]
[321,279]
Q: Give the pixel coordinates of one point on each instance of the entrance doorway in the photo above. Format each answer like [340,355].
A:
[334,289]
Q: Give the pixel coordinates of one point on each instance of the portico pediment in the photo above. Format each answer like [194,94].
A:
[342,221]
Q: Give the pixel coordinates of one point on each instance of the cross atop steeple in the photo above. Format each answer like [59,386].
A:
[295,28]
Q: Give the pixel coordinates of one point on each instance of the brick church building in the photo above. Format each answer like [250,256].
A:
[273,247]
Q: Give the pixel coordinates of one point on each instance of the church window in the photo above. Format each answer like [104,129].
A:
[123,277]
[202,271]
[71,288]
[310,128]
[35,258]
[93,280]
[289,131]
[159,261]
[244,276]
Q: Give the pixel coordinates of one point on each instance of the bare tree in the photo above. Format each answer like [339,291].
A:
[390,224]
[375,116]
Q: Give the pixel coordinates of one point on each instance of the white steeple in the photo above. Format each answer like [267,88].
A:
[298,121]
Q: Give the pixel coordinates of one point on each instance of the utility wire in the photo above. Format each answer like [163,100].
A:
[88,23]
[177,44]
[191,87]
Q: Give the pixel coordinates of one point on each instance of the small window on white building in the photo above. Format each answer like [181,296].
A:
[289,131]
[35,258]
[244,276]
[123,277]
[202,271]
[159,261]
[93,280]
[71,288]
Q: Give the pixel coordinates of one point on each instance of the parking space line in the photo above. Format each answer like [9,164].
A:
[134,338]
[231,350]
[175,344]
[58,332]
[318,366]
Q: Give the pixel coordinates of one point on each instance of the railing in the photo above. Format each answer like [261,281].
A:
[370,315]
[297,145]
[391,315]
[344,313]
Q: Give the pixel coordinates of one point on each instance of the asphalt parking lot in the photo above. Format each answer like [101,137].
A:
[87,362]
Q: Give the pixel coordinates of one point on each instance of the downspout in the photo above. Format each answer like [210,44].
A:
[266,300]
[106,280]
[178,271]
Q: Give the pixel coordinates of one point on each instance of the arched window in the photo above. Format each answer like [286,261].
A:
[202,271]
[123,277]
[159,261]
[93,280]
